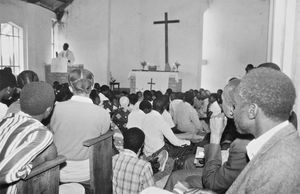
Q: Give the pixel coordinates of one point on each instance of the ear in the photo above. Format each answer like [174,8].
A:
[252,111]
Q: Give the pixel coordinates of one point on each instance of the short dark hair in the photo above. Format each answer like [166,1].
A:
[271,90]
[159,104]
[133,139]
[189,97]
[147,95]
[26,77]
[133,98]
[145,104]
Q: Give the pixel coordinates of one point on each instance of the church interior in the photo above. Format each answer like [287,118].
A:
[134,46]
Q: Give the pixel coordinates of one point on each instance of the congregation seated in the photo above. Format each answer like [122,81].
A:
[75,121]
[214,175]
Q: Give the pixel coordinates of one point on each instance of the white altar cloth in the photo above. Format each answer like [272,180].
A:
[159,78]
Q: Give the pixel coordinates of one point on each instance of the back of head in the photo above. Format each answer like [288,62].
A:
[189,97]
[269,65]
[144,105]
[160,103]
[81,81]
[95,97]
[36,97]
[7,80]
[133,98]
[272,91]
[147,95]
[133,139]
[26,77]
[229,89]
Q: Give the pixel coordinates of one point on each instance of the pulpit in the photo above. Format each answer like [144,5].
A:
[141,80]
[61,77]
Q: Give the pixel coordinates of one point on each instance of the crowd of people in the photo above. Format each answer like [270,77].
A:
[251,120]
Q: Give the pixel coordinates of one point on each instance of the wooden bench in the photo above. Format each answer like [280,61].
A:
[44,178]
[100,163]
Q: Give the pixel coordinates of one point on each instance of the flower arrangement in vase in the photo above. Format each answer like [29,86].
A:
[177,65]
[143,64]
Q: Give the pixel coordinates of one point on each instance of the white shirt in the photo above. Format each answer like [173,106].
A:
[215,108]
[256,144]
[67,54]
[168,118]
[135,119]
[82,99]
[155,129]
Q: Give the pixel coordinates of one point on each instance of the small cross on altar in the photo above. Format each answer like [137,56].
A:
[166,22]
[151,83]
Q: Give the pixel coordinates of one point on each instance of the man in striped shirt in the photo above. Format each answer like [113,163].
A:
[23,137]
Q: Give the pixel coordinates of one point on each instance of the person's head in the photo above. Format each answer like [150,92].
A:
[8,70]
[145,106]
[63,93]
[147,95]
[248,68]
[169,91]
[228,97]
[133,98]
[160,104]
[124,102]
[66,46]
[7,85]
[189,97]
[97,87]
[270,65]
[140,95]
[104,89]
[213,97]
[81,82]
[26,77]
[263,96]
[134,139]
[95,97]
[37,99]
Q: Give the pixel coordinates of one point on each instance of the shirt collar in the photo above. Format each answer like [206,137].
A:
[130,153]
[81,99]
[256,144]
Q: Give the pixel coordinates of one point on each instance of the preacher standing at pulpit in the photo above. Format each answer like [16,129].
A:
[66,53]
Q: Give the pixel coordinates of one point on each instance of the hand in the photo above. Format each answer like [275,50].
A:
[217,126]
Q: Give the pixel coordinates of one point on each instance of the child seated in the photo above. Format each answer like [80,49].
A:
[130,174]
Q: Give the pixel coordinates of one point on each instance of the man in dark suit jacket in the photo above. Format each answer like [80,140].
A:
[264,101]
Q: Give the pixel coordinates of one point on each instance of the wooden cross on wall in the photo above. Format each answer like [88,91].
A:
[166,22]
[151,83]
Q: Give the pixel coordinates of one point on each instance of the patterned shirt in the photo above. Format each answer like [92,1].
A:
[22,138]
[130,174]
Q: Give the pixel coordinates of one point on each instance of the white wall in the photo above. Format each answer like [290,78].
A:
[85,28]
[36,23]
[134,37]
[235,34]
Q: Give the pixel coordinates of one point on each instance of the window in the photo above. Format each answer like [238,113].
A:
[11,47]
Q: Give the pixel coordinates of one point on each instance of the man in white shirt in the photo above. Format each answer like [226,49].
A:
[264,100]
[68,54]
